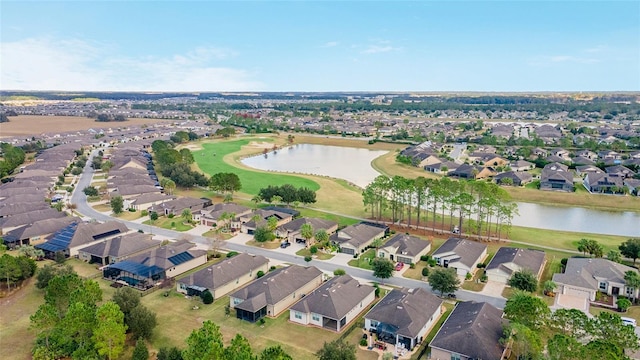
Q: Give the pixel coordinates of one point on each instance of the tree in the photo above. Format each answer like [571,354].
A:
[140,352]
[109,334]
[382,268]
[615,256]
[207,297]
[256,200]
[127,299]
[631,249]
[272,223]
[225,182]
[608,327]
[48,272]
[563,347]
[526,344]
[90,191]
[186,215]
[153,216]
[306,231]
[262,234]
[117,204]
[168,185]
[106,166]
[322,237]
[169,353]
[549,286]
[527,310]
[444,280]
[570,322]
[239,349]
[141,321]
[632,280]
[337,350]
[274,353]
[204,343]
[524,280]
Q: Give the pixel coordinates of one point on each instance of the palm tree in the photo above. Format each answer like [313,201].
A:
[632,280]
[256,200]
[306,231]
[186,215]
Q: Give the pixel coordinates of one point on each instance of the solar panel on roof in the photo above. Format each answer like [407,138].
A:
[60,240]
[180,258]
[105,234]
[137,268]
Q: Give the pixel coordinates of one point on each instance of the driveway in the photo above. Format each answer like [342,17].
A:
[493,288]
[565,301]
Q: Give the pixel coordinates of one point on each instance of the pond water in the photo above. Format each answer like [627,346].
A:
[354,165]
[351,164]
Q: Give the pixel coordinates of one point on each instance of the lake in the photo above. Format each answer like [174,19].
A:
[354,165]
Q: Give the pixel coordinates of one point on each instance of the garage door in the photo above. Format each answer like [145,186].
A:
[576,292]
[404,260]
[347,251]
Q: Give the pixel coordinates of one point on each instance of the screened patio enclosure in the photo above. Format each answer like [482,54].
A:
[134,274]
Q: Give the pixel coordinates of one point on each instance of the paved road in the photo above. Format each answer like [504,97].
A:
[80,199]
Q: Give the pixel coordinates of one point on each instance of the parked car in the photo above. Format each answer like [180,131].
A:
[399,266]
[628,321]
[285,244]
[451,296]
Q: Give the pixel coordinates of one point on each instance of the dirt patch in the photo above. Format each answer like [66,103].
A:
[36,125]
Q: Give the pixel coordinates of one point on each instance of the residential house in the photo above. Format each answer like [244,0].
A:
[354,239]
[468,171]
[609,155]
[587,154]
[118,248]
[257,218]
[472,331]
[583,277]
[561,153]
[211,215]
[460,254]
[148,269]
[38,232]
[587,169]
[275,292]
[444,167]
[633,185]
[76,236]
[145,201]
[11,222]
[405,248]
[579,160]
[488,159]
[333,305]
[225,276]
[556,176]
[22,207]
[291,231]
[508,261]
[603,183]
[521,165]
[619,171]
[404,316]
[177,206]
[518,178]
[539,152]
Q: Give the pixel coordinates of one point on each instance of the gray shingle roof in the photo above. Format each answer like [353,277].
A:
[122,245]
[317,224]
[528,259]
[160,257]
[275,286]
[406,309]
[467,251]
[39,228]
[357,234]
[335,298]
[474,330]
[408,245]
[225,271]
[30,217]
[583,272]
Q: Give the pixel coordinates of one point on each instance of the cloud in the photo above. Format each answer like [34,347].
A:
[74,64]
[376,49]
[330,44]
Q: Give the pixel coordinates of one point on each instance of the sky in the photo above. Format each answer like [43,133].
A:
[245,46]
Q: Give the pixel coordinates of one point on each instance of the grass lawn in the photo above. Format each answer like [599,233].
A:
[129,215]
[84,269]
[102,207]
[474,284]
[265,245]
[178,319]
[211,160]
[435,329]
[320,255]
[341,220]
[563,239]
[175,223]
[632,312]
[364,260]
[16,339]
[415,273]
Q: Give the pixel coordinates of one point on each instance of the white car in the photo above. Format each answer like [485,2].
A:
[628,321]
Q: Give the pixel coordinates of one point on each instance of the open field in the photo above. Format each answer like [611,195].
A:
[34,124]
[16,338]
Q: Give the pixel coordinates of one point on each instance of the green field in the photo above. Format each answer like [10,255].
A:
[252,180]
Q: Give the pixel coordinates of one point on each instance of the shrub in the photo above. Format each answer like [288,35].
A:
[563,261]
[273,267]
[313,249]
[308,258]
[171,216]
[425,271]
[364,342]
[484,277]
[231,254]
[338,272]
[481,265]
[207,297]
[468,276]
[59,257]
[412,266]
[144,213]
[173,224]
[261,321]
[227,309]
[425,258]
[432,262]
[260,274]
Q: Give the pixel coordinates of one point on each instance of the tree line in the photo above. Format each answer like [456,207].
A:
[12,157]
[480,207]
[288,194]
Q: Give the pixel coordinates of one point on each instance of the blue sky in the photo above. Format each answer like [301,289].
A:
[320,45]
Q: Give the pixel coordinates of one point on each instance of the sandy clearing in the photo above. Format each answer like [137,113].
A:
[36,125]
